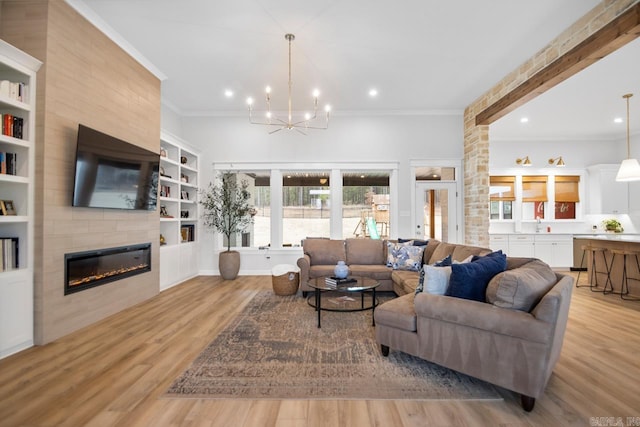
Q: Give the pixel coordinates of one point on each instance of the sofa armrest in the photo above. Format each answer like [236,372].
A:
[483,316]
[304,263]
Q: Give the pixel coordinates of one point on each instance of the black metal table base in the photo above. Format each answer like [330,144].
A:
[317,304]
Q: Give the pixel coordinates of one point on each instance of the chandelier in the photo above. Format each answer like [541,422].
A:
[308,121]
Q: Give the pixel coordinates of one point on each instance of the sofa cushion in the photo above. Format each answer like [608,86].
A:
[521,288]
[324,251]
[470,280]
[406,280]
[365,251]
[378,271]
[441,251]
[462,252]
[404,256]
[398,313]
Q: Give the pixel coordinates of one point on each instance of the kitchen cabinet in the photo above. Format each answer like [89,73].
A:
[606,195]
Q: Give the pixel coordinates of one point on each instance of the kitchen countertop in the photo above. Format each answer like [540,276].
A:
[629,238]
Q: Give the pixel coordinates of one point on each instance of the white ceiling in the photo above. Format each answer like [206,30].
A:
[427,56]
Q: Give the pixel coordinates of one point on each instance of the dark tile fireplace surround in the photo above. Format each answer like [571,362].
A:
[84,270]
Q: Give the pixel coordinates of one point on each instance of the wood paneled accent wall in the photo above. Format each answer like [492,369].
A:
[88,79]
[594,35]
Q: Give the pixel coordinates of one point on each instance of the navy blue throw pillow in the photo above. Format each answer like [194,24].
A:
[477,257]
[414,242]
[444,262]
[470,280]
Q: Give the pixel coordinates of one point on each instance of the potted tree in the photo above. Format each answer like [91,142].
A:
[226,209]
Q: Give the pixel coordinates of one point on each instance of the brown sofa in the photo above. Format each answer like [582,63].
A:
[513,340]
[368,257]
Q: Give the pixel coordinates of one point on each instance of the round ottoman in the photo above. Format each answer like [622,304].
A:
[285,279]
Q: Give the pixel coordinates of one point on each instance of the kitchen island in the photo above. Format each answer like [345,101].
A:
[614,261]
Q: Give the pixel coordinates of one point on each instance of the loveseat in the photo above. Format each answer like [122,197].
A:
[512,339]
[370,258]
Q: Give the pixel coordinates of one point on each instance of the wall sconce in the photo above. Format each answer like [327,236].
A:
[559,163]
[524,161]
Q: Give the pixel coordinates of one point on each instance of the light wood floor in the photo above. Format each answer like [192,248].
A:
[114,373]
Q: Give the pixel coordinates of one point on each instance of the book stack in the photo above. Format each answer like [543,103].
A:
[334,282]
[12,125]
[13,90]
[8,163]
[9,254]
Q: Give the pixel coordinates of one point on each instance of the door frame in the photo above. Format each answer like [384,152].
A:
[456,224]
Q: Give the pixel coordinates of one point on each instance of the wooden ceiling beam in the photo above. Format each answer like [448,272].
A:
[609,38]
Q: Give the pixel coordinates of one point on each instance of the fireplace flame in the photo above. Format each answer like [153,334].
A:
[116,272]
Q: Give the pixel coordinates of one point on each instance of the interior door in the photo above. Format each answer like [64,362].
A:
[436,211]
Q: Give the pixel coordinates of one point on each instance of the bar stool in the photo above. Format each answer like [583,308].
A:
[624,286]
[593,274]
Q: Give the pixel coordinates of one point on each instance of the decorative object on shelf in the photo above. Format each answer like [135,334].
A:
[226,208]
[612,224]
[163,241]
[163,152]
[341,270]
[164,213]
[184,178]
[629,168]
[184,214]
[557,161]
[7,208]
[524,161]
[299,124]
[183,160]
[184,195]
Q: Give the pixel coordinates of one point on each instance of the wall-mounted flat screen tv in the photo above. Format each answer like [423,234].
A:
[111,173]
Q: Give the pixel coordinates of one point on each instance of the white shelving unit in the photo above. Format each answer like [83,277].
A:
[179,165]
[16,284]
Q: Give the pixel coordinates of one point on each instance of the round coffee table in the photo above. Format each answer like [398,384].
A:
[361,285]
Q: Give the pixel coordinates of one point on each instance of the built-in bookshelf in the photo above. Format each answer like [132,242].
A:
[17,168]
[179,165]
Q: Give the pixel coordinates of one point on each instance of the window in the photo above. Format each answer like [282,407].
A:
[259,233]
[365,204]
[315,200]
[566,196]
[534,196]
[306,206]
[501,196]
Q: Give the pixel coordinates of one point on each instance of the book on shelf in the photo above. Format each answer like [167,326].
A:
[12,125]
[8,163]
[187,233]
[13,90]
[9,254]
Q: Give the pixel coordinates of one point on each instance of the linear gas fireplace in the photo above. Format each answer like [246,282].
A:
[84,270]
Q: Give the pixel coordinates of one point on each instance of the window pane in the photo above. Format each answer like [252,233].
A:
[259,233]
[494,210]
[565,210]
[436,174]
[306,202]
[506,209]
[365,204]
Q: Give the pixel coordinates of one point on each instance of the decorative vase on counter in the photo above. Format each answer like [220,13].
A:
[341,270]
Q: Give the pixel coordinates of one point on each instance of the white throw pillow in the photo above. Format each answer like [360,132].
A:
[436,279]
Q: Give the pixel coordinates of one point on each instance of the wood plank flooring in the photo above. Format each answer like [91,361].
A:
[114,373]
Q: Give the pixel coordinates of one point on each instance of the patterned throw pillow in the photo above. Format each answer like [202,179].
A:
[404,256]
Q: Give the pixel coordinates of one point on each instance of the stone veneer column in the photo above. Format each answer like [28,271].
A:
[476,138]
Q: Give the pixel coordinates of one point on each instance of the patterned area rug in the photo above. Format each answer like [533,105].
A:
[274,350]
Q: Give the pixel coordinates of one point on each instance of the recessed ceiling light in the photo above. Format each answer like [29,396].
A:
[617,120]
[524,120]
[228,93]
[373,92]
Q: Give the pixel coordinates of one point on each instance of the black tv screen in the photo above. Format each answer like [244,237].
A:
[111,173]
